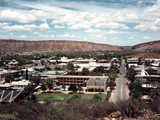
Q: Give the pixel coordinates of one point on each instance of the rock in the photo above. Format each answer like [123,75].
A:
[116,114]
[106,118]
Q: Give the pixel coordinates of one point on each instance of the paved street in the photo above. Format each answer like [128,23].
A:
[121,91]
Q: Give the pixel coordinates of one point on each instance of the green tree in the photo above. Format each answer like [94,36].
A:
[112,76]
[72,88]
[28,90]
[70,68]
[35,79]
[9,78]
[111,84]
[131,73]
[136,89]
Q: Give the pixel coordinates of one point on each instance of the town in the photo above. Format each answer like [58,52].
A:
[113,79]
[79,60]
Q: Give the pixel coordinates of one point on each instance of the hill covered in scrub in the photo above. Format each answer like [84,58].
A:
[23,46]
[153,45]
[78,109]
[17,46]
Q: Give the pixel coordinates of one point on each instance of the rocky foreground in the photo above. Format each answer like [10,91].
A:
[145,115]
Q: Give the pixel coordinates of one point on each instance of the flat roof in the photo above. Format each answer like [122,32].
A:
[5,85]
[157,76]
[9,71]
[75,76]
[99,80]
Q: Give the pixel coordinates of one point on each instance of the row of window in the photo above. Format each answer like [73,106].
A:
[65,78]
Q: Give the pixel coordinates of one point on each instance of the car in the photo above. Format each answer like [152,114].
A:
[57,89]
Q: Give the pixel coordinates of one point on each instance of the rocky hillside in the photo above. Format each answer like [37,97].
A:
[7,46]
[145,55]
[154,45]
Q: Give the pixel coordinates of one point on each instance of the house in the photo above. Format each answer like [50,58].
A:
[97,84]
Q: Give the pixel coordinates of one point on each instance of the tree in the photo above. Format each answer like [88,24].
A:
[35,79]
[49,83]
[150,71]
[1,63]
[131,74]
[112,76]
[85,71]
[111,84]
[43,87]
[28,90]
[147,63]
[70,68]
[114,68]
[155,94]
[9,78]
[64,87]
[72,88]
[80,88]
[136,89]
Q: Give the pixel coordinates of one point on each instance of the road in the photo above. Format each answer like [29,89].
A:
[121,91]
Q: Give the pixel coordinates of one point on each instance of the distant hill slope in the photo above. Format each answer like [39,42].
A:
[154,45]
[145,55]
[14,46]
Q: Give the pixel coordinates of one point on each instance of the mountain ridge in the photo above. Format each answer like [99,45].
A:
[21,46]
[152,45]
[16,46]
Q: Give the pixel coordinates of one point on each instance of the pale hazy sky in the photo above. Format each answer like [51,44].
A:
[117,22]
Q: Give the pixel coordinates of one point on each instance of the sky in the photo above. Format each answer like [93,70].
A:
[116,22]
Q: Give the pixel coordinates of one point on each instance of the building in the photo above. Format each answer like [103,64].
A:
[13,63]
[144,76]
[8,96]
[5,86]
[65,60]
[15,85]
[97,84]
[132,60]
[80,60]
[20,84]
[76,80]
[14,73]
